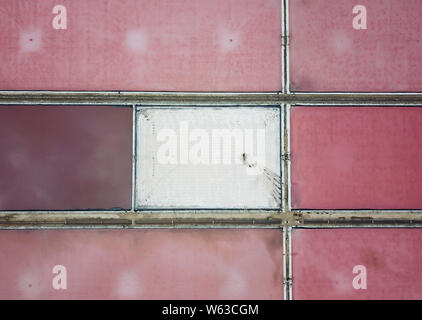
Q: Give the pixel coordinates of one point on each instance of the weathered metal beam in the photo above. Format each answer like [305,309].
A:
[358,218]
[143,219]
[125,98]
[208,219]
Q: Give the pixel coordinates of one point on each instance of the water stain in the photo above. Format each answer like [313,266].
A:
[370,258]
[30,41]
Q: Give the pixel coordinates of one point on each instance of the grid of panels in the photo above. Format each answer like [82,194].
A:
[289,215]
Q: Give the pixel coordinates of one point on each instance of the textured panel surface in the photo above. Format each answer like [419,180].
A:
[323,263]
[328,54]
[135,264]
[202,158]
[356,158]
[65,157]
[165,45]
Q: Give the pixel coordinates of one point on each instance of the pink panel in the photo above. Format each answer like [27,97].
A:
[323,263]
[190,45]
[328,54]
[165,264]
[356,157]
[65,157]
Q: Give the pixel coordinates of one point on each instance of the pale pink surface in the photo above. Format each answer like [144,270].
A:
[165,45]
[356,157]
[65,157]
[143,264]
[323,262]
[327,54]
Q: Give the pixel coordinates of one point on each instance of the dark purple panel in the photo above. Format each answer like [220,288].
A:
[65,157]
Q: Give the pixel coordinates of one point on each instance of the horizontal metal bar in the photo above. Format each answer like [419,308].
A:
[353,98]
[129,98]
[144,219]
[176,212]
[207,219]
[333,93]
[360,211]
[366,226]
[358,218]
[179,226]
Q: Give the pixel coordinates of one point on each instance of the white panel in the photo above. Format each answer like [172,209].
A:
[171,141]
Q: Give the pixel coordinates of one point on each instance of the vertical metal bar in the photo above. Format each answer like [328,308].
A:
[288,159]
[282,170]
[285,285]
[285,191]
[287,263]
[285,127]
[283,50]
[134,142]
[287,45]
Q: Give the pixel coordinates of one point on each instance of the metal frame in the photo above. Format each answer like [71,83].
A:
[284,218]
